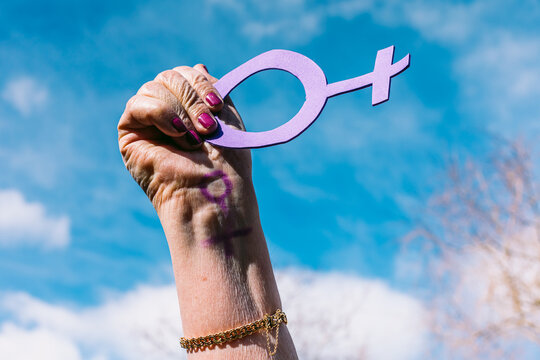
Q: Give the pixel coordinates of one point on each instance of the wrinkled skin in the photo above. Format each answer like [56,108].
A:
[220,284]
[159,156]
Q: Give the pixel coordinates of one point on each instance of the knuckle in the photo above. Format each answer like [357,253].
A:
[169,76]
[148,88]
[188,95]
[155,111]
[182,68]
[202,83]
[146,109]
[200,79]
[197,109]
[132,104]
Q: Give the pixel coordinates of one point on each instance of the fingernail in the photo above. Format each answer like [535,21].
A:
[212,99]
[206,120]
[192,138]
[204,66]
[178,125]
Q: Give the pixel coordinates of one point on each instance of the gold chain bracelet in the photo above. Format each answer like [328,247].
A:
[268,322]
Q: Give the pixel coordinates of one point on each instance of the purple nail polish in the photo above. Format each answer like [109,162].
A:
[212,99]
[178,125]
[206,120]
[193,138]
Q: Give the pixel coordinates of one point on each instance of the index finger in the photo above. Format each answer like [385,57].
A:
[202,86]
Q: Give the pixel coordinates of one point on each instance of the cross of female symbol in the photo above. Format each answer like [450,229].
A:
[226,239]
[317,93]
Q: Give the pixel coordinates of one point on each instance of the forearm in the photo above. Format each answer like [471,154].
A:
[223,273]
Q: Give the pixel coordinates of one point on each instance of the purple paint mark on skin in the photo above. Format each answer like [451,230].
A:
[317,93]
[226,239]
[220,199]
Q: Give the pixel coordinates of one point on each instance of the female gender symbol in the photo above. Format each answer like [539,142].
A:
[227,236]
[317,93]
[220,200]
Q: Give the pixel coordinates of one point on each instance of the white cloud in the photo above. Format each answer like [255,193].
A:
[26,94]
[495,45]
[298,29]
[498,287]
[27,223]
[19,343]
[449,23]
[484,295]
[288,183]
[38,165]
[299,21]
[295,21]
[500,81]
[331,316]
[335,316]
[141,324]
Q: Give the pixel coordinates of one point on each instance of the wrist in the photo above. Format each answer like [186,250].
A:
[221,265]
[222,269]
[189,219]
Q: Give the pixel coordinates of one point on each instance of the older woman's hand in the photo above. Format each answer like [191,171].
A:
[206,203]
[160,139]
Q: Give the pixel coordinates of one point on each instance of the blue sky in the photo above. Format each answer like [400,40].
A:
[337,198]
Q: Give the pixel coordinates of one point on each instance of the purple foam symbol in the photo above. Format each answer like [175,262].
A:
[317,93]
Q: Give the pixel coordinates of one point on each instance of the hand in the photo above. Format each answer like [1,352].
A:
[206,203]
[160,132]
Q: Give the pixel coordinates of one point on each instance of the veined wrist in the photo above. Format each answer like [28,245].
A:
[191,221]
[217,190]
[226,279]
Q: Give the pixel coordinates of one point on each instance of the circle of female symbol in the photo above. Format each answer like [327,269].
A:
[220,200]
[227,235]
[317,93]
